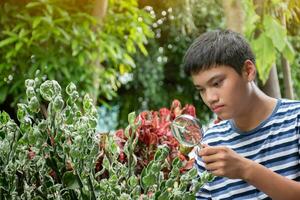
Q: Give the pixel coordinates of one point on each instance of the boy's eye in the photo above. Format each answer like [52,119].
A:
[217,83]
[201,90]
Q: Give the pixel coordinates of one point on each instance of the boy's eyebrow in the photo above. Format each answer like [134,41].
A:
[210,80]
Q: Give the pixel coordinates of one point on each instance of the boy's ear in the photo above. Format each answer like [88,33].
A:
[249,70]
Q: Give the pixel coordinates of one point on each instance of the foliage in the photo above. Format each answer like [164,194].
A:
[156,158]
[64,41]
[153,130]
[268,34]
[55,153]
[160,78]
[295,69]
[52,153]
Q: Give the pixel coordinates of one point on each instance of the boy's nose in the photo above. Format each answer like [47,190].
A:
[211,97]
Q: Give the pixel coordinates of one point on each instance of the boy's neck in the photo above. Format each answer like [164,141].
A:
[260,108]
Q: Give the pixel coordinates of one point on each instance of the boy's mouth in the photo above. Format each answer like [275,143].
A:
[217,109]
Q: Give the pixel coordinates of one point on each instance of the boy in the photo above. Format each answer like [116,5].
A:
[255,150]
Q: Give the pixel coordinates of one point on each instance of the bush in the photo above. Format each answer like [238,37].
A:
[53,152]
[62,40]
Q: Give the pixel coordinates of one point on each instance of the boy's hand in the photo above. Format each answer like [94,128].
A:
[223,161]
[216,121]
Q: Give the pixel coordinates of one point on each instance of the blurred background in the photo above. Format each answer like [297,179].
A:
[127,54]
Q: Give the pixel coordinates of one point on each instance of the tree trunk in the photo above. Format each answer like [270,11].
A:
[271,87]
[287,78]
[233,15]
[99,11]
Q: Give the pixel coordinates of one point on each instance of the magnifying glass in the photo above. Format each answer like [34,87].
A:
[188,131]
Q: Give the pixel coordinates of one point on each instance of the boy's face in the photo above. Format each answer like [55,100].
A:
[223,90]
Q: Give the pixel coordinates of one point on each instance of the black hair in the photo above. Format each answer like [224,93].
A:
[220,47]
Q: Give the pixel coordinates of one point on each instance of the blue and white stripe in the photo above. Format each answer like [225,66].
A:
[275,143]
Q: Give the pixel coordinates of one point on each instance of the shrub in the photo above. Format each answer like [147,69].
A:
[53,152]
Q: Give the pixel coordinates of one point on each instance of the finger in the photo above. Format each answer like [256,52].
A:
[204,145]
[213,166]
[210,150]
[211,158]
[218,172]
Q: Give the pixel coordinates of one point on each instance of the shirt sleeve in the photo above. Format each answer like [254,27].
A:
[203,193]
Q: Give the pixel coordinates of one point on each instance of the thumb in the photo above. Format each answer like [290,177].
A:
[217,120]
[202,146]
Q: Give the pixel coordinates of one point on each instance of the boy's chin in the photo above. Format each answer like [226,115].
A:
[223,117]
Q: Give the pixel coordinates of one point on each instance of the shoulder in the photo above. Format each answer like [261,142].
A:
[287,114]
[289,102]
[289,106]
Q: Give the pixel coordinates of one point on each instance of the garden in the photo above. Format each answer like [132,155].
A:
[89,89]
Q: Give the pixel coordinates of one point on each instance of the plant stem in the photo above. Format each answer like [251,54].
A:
[91,188]
[79,182]
[40,193]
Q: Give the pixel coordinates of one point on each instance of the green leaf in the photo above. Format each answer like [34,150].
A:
[131,118]
[30,83]
[58,103]
[289,52]
[155,168]
[177,163]
[192,173]
[133,181]
[33,4]
[170,182]
[22,111]
[207,177]
[197,186]
[275,31]
[265,55]
[18,46]
[3,93]
[158,155]
[43,125]
[70,181]
[49,9]
[106,163]
[81,59]
[143,49]
[34,105]
[130,46]
[149,179]
[7,41]
[36,22]
[70,88]
[87,103]
[143,174]
[124,197]
[164,196]
[188,196]
[4,117]
[136,192]
[49,89]
[175,172]
[129,61]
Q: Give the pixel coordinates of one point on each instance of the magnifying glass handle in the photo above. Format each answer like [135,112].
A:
[198,148]
[206,174]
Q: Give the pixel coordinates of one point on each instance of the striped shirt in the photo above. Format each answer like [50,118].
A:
[274,143]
